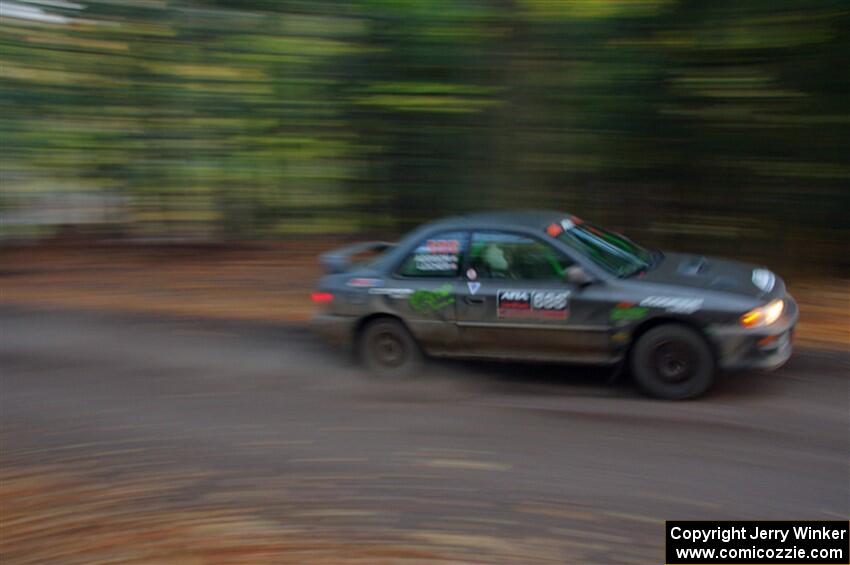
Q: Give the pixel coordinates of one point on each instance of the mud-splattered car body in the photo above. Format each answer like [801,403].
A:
[546,286]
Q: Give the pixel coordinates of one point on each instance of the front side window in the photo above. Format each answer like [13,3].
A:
[502,255]
[614,252]
[439,255]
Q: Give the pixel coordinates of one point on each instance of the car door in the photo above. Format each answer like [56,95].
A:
[517,304]
[424,287]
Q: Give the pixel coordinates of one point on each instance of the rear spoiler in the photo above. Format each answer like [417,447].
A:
[339,260]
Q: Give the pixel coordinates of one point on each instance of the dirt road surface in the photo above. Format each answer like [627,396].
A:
[137,439]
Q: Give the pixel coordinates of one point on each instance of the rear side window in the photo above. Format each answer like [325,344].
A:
[502,255]
[439,255]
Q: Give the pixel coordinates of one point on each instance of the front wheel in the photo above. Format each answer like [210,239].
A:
[387,349]
[673,362]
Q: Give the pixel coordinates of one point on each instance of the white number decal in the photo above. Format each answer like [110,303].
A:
[549,300]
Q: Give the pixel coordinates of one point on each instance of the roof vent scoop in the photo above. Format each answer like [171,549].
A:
[693,267]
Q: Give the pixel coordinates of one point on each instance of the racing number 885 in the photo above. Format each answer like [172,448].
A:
[549,300]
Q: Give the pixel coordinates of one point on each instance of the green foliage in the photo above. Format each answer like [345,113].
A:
[261,118]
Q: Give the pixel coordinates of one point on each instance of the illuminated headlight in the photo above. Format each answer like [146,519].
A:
[764,315]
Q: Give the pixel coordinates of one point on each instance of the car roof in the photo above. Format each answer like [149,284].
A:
[534,219]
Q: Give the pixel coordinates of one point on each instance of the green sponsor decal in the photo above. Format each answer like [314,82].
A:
[432,300]
[629,313]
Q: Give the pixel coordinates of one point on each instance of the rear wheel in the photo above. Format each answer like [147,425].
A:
[672,361]
[387,348]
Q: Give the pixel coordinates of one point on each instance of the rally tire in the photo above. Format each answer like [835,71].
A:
[672,362]
[387,349]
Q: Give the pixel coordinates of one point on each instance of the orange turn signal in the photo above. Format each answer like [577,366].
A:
[764,315]
[752,318]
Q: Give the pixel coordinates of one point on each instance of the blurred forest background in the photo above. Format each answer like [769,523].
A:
[719,126]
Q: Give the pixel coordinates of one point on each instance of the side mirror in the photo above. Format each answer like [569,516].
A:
[578,276]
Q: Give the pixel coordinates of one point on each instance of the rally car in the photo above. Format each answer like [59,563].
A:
[548,286]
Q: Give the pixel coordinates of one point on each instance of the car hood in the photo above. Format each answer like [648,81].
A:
[710,273]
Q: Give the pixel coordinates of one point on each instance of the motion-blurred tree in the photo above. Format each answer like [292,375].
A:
[694,123]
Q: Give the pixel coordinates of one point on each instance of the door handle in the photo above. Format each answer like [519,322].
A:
[474,300]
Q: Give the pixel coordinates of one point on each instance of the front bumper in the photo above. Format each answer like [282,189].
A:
[765,348]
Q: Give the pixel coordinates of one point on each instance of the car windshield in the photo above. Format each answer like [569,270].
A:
[614,252]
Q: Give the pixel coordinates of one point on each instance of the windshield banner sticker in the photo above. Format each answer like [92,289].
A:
[673,304]
[432,300]
[532,304]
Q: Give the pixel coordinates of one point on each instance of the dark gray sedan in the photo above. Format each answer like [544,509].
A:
[548,286]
